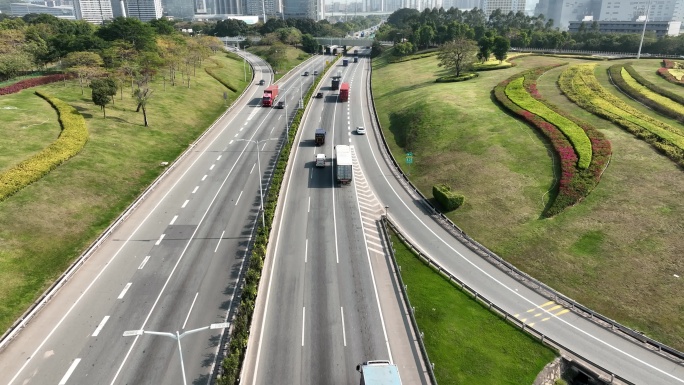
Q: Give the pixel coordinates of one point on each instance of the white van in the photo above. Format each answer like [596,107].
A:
[320,160]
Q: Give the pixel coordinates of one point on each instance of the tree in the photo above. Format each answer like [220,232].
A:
[142,96]
[163,26]
[133,31]
[501,47]
[101,94]
[85,65]
[486,43]
[309,44]
[425,34]
[457,55]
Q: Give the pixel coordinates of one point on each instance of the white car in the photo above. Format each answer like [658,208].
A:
[360,131]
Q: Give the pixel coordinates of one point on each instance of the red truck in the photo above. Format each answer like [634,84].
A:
[270,93]
[344,92]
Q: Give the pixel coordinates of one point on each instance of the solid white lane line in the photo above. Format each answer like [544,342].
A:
[344,334]
[212,167]
[203,178]
[68,373]
[173,220]
[147,258]
[125,289]
[219,241]
[195,190]
[308,209]
[185,203]
[100,326]
[159,240]
[238,200]
[306,249]
[303,322]
[190,311]
[250,171]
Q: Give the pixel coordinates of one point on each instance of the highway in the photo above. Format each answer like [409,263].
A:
[171,265]
[323,225]
[322,312]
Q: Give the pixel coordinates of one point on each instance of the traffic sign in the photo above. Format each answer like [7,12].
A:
[409,157]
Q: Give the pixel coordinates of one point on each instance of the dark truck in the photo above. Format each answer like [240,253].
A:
[319,136]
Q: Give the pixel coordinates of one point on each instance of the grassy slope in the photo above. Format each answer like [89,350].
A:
[615,252]
[294,56]
[468,343]
[29,124]
[80,198]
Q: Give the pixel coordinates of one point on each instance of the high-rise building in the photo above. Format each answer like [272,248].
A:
[261,7]
[144,10]
[489,6]
[311,9]
[562,12]
[62,10]
[93,11]
[630,10]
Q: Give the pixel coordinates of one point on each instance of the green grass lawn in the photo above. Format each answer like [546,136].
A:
[615,252]
[44,227]
[293,57]
[467,343]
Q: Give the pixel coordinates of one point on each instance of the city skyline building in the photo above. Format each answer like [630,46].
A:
[144,10]
[57,8]
[93,11]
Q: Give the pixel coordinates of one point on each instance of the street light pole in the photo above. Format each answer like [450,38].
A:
[643,31]
[177,337]
[386,208]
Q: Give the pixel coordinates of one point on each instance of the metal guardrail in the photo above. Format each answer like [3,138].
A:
[508,268]
[604,374]
[407,302]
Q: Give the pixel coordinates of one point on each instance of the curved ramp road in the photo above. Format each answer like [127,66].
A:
[171,266]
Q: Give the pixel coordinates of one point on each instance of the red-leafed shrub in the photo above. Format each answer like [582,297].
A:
[32,82]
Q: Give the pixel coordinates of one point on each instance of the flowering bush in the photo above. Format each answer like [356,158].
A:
[32,82]
[574,184]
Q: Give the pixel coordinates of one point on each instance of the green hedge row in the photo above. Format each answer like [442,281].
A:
[454,78]
[580,85]
[213,74]
[239,337]
[577,137]
[69,143]
[659,99]
[449,199]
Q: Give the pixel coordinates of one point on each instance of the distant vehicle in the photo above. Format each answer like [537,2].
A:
[360,130]
[345,62]
[315,73]
[319,95]
[306,73]
[363,34]
[262,82]
[356,52]
[378,373]
[280,105]
[336,84]
[343,167]
[319,136]
[320,160]
[356,59]
[270,94]
[344,92]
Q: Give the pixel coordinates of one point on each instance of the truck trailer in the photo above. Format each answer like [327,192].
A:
[344,92]
[270,93]
[345,62]
[378,373]
[343,166]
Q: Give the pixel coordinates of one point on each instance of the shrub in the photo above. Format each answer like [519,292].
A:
[70,142]
[447,198]
[32,82]
[454,78]
[574,184]
[661,100]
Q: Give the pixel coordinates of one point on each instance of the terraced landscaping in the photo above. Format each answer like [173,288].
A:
[575,142]
[617,251]
[580,85]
